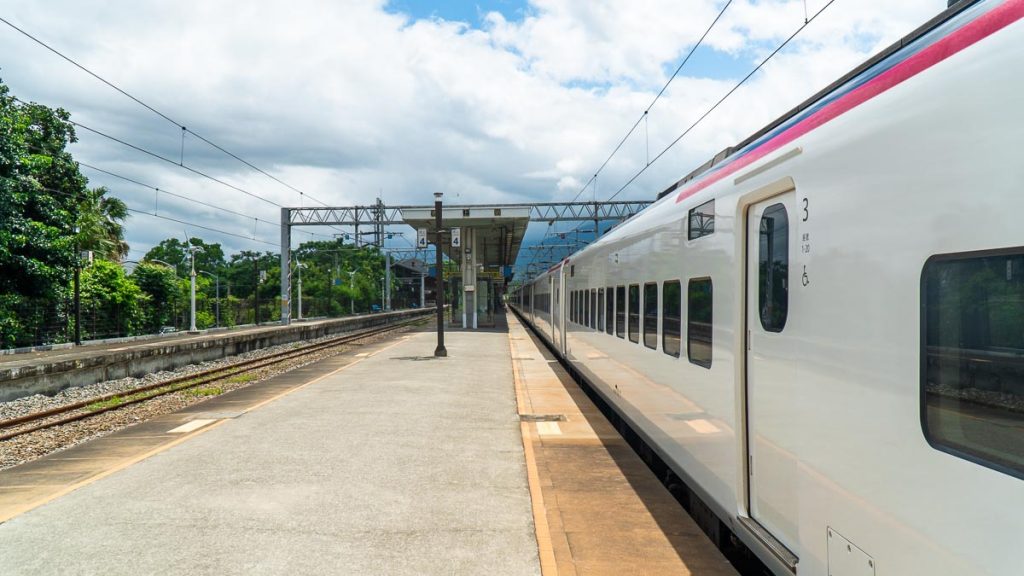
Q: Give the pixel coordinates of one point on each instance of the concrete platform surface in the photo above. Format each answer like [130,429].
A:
[397,464]
[602,510]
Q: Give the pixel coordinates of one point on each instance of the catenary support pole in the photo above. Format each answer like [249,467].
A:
[440,351]
[387,279]
[286,270]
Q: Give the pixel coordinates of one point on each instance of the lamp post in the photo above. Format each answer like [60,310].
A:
[299,266]
[217,280]
[352,287]
[192,258]
[440,351]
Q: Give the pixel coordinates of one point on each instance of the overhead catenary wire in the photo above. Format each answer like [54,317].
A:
[709,111]
[643,118]
[162,217]
[152,109]
[193,200]
[170,161]
[657,97]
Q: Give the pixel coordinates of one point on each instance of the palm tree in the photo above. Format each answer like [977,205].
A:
[100,227]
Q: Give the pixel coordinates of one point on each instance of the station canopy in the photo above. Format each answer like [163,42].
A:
[498,231]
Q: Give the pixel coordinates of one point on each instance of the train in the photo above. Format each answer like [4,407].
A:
[821,330]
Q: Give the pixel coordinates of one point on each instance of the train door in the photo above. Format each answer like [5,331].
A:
[553,308]
[562,307]
[771,396]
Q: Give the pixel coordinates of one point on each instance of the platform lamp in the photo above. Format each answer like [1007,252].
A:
[440,351]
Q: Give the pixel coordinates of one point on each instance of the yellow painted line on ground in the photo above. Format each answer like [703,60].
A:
[545,549]
[18,511]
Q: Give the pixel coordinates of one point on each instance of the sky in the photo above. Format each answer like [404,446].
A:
[496,101]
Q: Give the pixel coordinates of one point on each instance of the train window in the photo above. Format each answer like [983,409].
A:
[702,220]
[593,308]
[773,266]
[671,306]
[634,313]
[572,306]
[973,357]
[579,308]
[609,310]
[620,311]
[651,315]
[600,309]
[586,308]
[698,321]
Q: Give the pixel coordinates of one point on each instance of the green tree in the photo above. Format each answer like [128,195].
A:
[159,284]
[100,224]
[175,252]
[40,186]
[112,305]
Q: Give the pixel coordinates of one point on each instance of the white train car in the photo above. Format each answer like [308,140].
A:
[823,333]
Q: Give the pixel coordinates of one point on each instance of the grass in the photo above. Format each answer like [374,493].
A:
[201,392]
[111,403]
[241,378]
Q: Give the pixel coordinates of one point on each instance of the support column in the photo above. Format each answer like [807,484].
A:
[387,280]
[469,295]
[286,271]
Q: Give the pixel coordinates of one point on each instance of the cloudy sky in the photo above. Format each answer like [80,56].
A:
[347,100]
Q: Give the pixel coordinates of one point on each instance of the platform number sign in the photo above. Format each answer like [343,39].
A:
[456,237]
[421,237]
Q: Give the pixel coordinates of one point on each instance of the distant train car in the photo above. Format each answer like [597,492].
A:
[823,334]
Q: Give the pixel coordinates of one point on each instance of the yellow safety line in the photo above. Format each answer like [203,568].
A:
[135,460]
[548,566]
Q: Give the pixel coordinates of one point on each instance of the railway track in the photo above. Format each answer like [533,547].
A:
[96,405]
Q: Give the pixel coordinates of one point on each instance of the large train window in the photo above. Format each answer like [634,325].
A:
[593,308]
[671,307]
[699,299]
[581,307]
[702,220]
[773,268]
[609,310]
[972,357]
[651,315]
[634,313]
[620,311]
[586,308]
[600,309]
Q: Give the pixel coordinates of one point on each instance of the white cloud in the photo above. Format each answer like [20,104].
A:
[345,100]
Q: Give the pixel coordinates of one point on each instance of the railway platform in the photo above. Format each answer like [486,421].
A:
[384,460]
[48,371]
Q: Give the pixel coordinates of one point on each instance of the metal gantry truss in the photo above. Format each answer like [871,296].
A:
[379,214]
[379,217]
